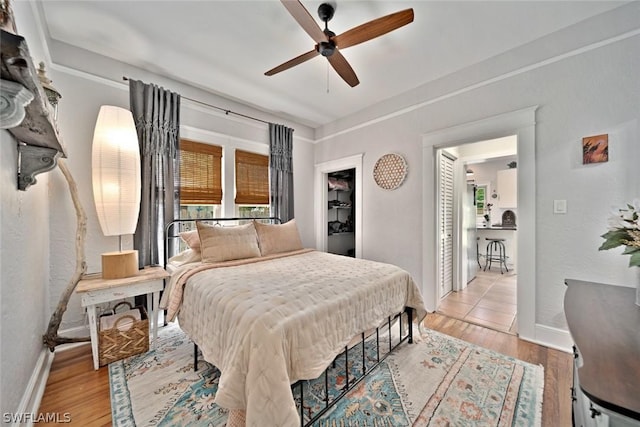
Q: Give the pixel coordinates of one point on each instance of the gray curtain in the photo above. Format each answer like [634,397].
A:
[281,171]
[156,113]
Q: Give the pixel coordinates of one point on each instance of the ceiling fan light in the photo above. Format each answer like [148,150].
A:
[326,48]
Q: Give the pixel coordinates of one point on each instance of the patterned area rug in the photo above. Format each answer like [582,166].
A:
[438,381]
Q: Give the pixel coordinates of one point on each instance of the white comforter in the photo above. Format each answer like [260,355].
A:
[268,324]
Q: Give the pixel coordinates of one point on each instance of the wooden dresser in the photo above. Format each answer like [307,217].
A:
[604,323]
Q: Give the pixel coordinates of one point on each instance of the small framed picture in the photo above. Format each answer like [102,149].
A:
[595,149]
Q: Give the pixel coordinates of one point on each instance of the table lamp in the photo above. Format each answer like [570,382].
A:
[115,162]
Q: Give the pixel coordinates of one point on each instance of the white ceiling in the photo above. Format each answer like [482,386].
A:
[226,46]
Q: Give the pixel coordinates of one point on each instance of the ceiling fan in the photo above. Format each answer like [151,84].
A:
[328,43]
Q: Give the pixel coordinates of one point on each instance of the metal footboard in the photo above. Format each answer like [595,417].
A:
[350,383]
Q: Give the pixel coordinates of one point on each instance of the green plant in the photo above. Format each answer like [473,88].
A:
[624,230]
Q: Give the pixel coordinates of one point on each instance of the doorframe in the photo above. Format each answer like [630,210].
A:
[522,124]
[321,199]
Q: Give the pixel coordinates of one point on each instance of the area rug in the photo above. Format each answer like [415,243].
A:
[438,381]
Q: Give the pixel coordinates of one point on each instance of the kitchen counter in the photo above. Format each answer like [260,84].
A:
[495,227]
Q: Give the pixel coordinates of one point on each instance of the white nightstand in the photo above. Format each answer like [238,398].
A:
[93,290]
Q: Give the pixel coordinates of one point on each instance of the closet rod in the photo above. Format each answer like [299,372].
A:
[227,112]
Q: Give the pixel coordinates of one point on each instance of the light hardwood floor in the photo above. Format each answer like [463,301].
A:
[75,388]
[488,300]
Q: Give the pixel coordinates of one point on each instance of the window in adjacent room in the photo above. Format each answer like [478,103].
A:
[252,184]
[200,180]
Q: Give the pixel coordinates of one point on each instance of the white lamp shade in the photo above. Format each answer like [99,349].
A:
[115,161]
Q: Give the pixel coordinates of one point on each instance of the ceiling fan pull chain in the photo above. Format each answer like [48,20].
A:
[328,76]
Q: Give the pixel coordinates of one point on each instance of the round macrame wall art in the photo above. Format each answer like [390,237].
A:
[390,171]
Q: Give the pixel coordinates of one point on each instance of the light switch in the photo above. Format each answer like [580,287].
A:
[559,206]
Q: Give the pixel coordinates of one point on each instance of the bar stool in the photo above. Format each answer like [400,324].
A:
[495,252]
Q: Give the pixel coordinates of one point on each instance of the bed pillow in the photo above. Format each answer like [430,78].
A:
[191,239]
[277,238]
[227,243]
[185,257]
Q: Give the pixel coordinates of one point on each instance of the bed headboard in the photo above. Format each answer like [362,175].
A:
[174,228]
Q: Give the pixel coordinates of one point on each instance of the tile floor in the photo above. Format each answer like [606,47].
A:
[488,300]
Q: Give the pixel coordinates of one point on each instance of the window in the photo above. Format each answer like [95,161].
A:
[200,179]
[481,199]
[252,184]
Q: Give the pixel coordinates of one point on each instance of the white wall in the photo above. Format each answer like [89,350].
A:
[24,259]
[585,90]
[24,264]
[391,221]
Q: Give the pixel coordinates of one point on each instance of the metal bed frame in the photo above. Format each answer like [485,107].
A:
[329,402]
[175,227]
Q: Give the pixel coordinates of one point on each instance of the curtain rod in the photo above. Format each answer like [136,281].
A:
[226,111]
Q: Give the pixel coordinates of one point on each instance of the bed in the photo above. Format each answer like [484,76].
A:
[269,313]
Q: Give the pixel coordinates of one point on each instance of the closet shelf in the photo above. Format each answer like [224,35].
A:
[340,212]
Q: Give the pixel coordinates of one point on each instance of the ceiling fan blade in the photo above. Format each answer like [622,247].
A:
[293,62]
[342,67]
[373,29]
[306,21]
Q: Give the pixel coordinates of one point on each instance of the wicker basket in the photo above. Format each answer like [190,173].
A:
[127,337]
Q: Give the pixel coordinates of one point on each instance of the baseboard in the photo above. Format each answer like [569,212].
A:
[76,332]
[27,411]
[548,336]
[30,402]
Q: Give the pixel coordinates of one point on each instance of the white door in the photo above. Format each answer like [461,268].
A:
[469,230]
[446,224]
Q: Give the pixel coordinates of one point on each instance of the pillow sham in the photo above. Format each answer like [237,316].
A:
[277,238]
[227,243]
[191,239]
[185,257]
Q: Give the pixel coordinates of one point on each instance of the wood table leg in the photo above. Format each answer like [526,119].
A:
[156,312]
[153,301]
[93,329]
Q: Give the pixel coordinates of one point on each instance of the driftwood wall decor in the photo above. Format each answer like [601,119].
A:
[51,338]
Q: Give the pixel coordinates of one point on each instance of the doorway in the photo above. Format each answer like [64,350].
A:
[341,212]
[471,213]
[522,124]
[323,171]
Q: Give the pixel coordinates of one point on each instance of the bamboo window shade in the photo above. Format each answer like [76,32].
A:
[252,178]
[200,173]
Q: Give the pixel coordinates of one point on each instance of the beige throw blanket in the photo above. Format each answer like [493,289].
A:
[269,323]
